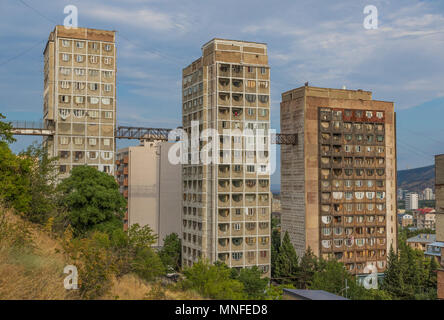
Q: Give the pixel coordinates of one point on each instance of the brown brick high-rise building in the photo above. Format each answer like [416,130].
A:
[338,185]
[226,205]
[80,97]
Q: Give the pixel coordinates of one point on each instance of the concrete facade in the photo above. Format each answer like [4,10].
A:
[338,185]
[226,205]
[439,197]
[152,187]
[79,98]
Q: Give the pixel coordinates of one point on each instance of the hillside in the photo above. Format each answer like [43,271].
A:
[417,179]
[31,268]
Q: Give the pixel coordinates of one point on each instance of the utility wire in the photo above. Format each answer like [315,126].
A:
[22,53]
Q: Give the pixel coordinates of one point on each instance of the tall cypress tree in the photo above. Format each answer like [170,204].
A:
[287,262]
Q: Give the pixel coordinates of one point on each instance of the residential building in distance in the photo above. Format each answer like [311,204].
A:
[152,187]
[338,184]
[424,218]
[434,250]
[406,220]
[79,98]
[439,205]
[226,205]
[421,241]
[428,194]
[411,201]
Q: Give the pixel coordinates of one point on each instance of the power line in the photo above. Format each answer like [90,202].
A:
[22,53]
[38,12]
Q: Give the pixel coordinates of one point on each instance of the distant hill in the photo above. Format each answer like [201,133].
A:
[417,179]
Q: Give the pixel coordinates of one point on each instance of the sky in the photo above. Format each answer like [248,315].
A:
[320,41]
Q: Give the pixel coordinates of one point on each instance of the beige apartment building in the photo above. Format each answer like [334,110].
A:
[226,204]
[80,97]
[338,184]
[152,187]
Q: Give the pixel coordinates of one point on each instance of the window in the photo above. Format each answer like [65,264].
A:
[250,69]
[80,44]
[65,57]
[64,99]
[79,85]
[250,97]
[108,115]
[250,168]
[107,47]
[263,112]
[94,86]
[93,59]
[79,113]
[263,84]
[78,140]
[64,84]
[94,45]
[107,74]
[79,58]
[79,72]
[263,98]
[106,142]
[237,255]
[263,70]
[107,60]
[64,140]
[92,154]
[94,100]
[108,87]
[92,141]
[106,101]
[65,71]
[237,226]
[65,43]
[93,73]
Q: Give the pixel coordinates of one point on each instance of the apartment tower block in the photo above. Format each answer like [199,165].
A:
[152,187]
[80,97]
[226,205]
[338,185]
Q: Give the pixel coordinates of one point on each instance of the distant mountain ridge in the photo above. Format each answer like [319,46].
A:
[417,179]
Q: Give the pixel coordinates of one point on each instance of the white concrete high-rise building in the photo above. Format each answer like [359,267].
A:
[411,201]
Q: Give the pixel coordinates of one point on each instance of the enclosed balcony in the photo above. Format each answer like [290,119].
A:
[237,85]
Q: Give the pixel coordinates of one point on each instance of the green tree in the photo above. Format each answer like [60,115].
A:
[213,281]
[42,183]
[308,266]
[254,285]
[170,254]
[14,179]
[287,262]
[275,244]
[92,200]
[5,131]
[336,279]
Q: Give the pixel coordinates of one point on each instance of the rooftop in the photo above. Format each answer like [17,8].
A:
[313,294]
[423,237]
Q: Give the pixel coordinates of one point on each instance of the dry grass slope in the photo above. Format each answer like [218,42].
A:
[38,273]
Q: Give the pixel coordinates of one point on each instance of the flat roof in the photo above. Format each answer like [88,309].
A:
[314,294]
[221,39]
